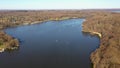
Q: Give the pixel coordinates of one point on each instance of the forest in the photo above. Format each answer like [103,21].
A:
[108,25]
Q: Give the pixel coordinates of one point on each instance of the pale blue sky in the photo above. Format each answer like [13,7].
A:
[58,4]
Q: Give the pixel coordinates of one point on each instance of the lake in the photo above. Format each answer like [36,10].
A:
[51,44]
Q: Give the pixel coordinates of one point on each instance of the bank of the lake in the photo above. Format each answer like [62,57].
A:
[108,54]
[7,42]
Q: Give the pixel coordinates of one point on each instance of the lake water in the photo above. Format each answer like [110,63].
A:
[116,11]
[52,44]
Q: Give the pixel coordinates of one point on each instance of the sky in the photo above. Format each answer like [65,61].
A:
[59,4]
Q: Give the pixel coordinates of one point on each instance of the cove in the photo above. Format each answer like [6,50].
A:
[51,44]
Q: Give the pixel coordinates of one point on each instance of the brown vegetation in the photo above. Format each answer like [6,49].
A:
[10,18]
[108,25]
[7,42]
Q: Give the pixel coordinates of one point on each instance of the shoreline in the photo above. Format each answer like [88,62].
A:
[93,33]
[7,42]
[36,22]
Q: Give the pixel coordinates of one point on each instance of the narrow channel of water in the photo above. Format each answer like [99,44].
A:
[116,11]
[52,44]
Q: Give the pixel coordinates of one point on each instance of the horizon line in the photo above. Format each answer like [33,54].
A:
[68,9]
